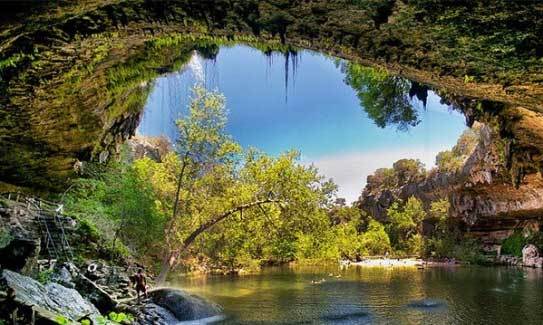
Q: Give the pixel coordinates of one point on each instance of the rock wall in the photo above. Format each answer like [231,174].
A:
[481,194]
[20,238]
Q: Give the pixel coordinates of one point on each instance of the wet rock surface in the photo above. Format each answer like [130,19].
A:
[170,306]
[114,280]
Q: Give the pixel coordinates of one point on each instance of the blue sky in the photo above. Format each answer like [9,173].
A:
[321,118]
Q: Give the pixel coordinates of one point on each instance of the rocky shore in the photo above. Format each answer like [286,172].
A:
[35,288]
[531,257]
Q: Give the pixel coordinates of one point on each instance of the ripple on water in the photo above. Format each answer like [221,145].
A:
[427,304]
[347,318]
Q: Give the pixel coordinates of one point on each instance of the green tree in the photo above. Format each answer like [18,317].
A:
[384,97]
[213,183]
[405,221]
[375,241]
[120,203]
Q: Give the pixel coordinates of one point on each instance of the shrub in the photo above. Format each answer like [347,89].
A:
[469,250]
[5,238]
[536,239]
[44,277]
[513,244]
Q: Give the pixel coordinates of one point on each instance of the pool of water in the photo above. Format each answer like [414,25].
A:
[356,295]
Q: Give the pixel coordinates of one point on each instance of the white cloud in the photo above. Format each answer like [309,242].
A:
[196,65]
[350,170]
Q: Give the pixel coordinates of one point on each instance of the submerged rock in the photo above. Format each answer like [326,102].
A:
[48,301]
[427,304]
[171,306]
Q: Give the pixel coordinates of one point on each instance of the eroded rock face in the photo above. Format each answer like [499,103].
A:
[153,148]
[51,300]
[61,105]
[530,256]
[20,243]
[481,193]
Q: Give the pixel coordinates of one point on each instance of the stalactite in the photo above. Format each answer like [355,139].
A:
[287,57]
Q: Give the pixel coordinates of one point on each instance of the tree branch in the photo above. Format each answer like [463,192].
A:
[210,223]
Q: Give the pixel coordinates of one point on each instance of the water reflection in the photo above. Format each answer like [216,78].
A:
[376,295]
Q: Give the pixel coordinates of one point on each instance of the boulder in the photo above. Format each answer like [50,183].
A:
[171,306]
[64,277]
[530,256]
[95,294]
[184,306]
[48,301]
[19,254]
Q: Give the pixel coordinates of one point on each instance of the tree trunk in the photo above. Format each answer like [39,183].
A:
[167,263]
[172,256]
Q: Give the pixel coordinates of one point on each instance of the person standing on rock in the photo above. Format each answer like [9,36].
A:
[141,283]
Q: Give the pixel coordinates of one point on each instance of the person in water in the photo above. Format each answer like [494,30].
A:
[140,283]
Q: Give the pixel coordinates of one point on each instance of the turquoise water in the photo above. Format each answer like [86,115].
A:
[461,295]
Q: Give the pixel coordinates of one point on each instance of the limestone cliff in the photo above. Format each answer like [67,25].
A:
[481,194]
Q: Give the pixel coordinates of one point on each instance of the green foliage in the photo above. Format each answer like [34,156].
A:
[62,320]
[380,9]
[340,213]
[116,205]
[88,230]
[468,79]
[405,226]
[514,244]
[384,97]
[44,276]
[114,318]
[5,238]
[469,250]
[403,171]
[440,246]
[536,239]
[11,61]
[453,160]
[375,241]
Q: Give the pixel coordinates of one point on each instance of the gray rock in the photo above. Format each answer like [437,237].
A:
[64,277]
[53,298]
[183,305]
[19,237]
